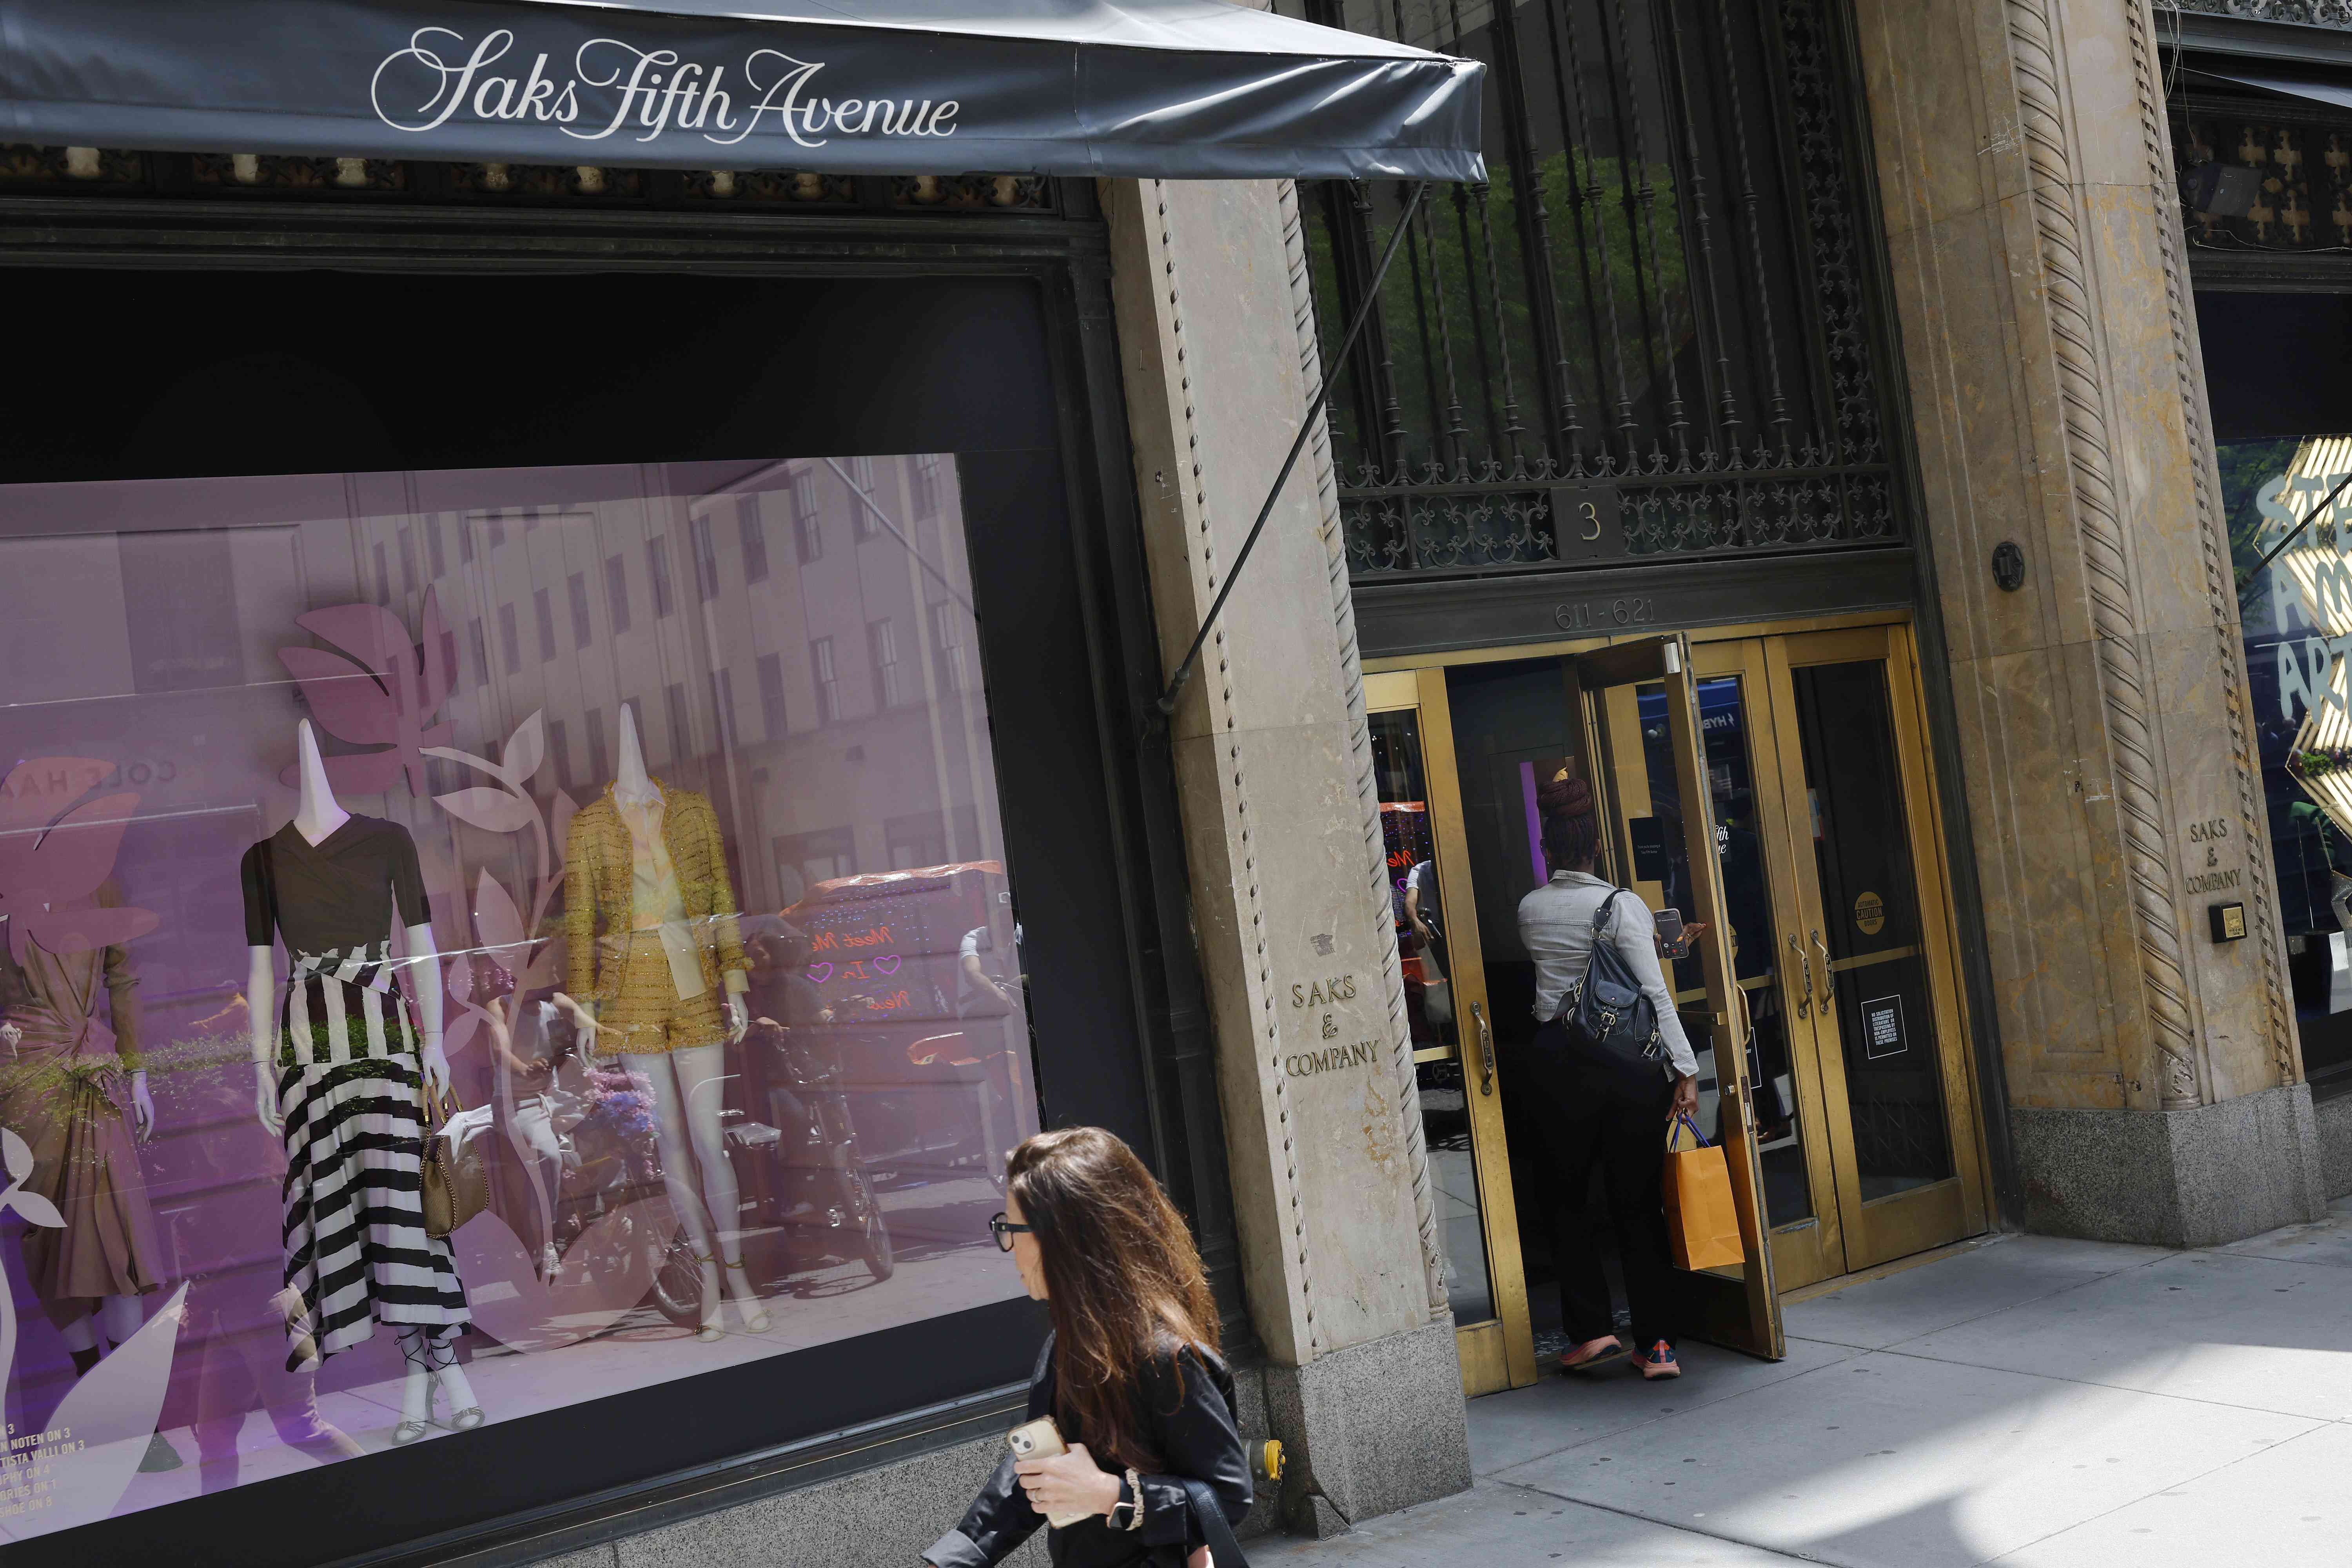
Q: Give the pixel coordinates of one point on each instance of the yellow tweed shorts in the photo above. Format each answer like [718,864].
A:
[650,1018]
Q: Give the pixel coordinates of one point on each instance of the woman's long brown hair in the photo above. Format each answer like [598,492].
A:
[1123,1279]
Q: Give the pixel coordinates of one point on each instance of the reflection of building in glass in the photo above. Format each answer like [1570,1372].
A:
[814,682]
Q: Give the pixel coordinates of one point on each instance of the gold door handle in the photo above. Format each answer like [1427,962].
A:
[1485,1048]
[1826,981]
[1804,997]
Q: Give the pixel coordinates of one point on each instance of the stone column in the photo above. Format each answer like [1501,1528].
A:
[2024,165]
[1273,762]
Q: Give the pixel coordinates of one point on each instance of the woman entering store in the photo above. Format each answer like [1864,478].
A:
[1131,1374]
[1592,1108]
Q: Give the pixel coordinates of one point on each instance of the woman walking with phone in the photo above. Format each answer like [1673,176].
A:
[1141,1462]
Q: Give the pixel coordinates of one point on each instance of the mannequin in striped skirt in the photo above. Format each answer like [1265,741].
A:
[340,1072]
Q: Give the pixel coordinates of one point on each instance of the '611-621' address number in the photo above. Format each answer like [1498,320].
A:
[1604,613]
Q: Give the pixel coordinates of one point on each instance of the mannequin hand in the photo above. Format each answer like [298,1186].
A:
[582,1019]
[1686,1101]
[738,1017]
[12,1037]
[143,1106]
[1068,1483]
[436,1066]
[265,1100]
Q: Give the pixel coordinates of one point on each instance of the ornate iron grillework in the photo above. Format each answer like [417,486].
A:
[1653,333]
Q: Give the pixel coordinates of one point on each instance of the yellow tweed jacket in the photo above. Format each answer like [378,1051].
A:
[598,890]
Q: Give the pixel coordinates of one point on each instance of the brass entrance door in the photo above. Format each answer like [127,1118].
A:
[1439,891]
[1840,936]
[1453,1026]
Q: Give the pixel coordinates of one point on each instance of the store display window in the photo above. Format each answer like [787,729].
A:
[474,942]
[2291,534]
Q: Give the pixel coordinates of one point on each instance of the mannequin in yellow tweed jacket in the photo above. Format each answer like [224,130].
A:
[598,889]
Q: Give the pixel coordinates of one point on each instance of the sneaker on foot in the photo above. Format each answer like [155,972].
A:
[1659,1363]
[1591,1354]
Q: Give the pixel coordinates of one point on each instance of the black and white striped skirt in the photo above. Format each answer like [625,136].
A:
[351,1091]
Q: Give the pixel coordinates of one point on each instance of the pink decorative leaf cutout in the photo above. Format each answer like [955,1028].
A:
[355,772]
[497,924]
[47,878]
[512,1305]
[526,749]
[33,789]
[459,1032]
[451,755]
[15,1154]
[387,697]
[71,930]
[458,982]
[37,1209]
[345,699]
[492,810]
[111,1413]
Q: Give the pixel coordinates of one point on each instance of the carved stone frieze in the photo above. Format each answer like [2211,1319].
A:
[2078,363]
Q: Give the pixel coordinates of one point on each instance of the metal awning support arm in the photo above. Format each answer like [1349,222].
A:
[1176,683]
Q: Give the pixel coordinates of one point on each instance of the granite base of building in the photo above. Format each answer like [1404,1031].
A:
[2335,1118]
[1382,1425]
[887,1515]
[2173,1178]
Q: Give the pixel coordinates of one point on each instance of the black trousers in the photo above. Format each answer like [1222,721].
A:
[1574,1113]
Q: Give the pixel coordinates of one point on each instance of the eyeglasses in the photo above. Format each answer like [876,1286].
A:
[1004,1230]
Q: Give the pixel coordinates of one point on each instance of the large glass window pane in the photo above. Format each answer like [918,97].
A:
[2295,609]
[1660,854]
[737,1019]
[1418,904]
[1872,938]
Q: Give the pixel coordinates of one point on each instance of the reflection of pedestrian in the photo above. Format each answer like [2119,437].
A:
[988,967]
[240,1367]
[1424,912]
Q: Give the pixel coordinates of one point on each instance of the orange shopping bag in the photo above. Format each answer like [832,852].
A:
[1702,1224]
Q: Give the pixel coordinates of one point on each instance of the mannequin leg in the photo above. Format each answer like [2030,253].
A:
[120,1318]
[416,1387]
[676,1147]
[465,1410]
[80,1335]
[701,1081]
[117,1318]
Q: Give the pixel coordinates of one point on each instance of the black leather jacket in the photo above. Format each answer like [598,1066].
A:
[1193,1433]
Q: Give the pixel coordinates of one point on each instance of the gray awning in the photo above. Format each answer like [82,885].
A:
[1182,88]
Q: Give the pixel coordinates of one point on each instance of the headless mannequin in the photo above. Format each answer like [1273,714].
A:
[316,815]
[118,1316]
[687,1085]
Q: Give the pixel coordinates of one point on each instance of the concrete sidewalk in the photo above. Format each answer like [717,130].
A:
[2031,1401]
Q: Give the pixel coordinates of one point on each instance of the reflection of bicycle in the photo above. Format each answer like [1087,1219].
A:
[607,1170]
[800,1169]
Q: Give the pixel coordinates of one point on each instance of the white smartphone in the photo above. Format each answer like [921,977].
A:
[1041,1439]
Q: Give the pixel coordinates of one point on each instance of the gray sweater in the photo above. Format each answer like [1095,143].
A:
[1556,925]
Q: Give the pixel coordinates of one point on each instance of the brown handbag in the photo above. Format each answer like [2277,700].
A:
[457,1187]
